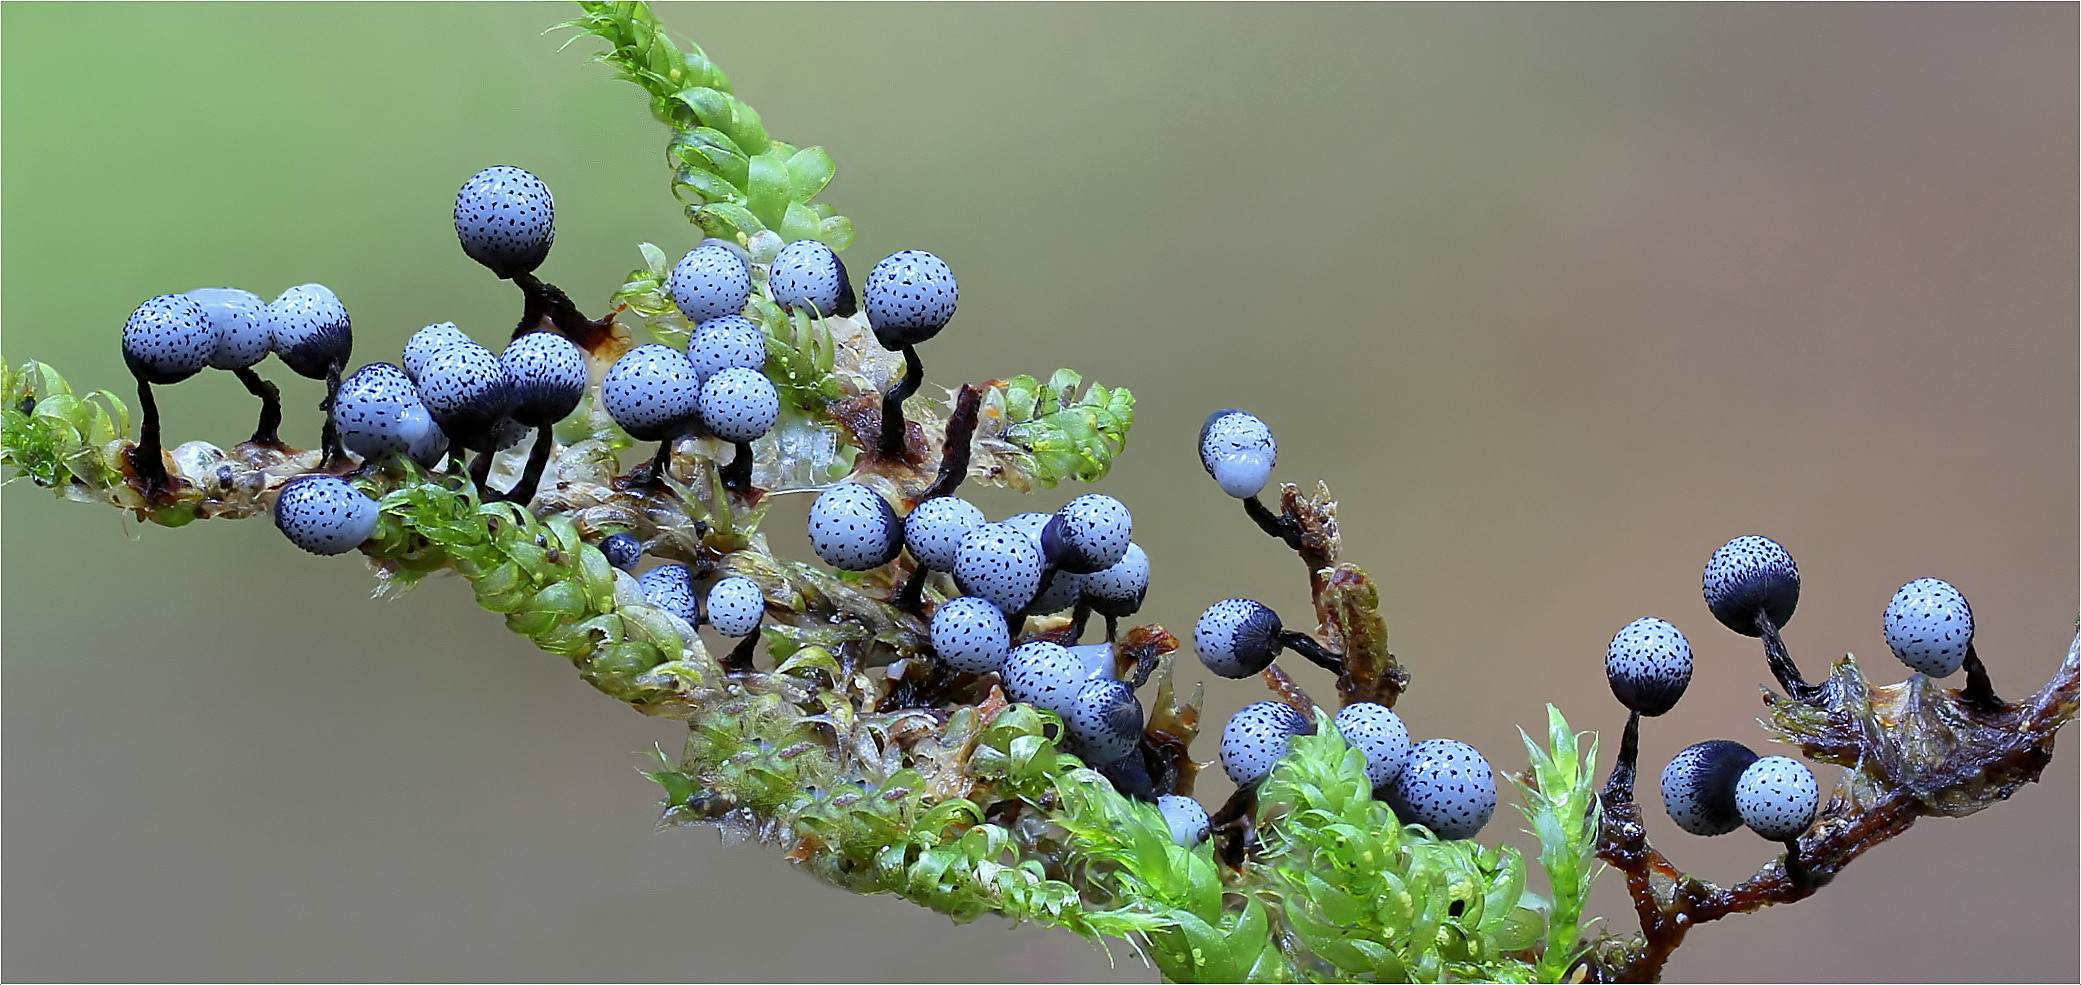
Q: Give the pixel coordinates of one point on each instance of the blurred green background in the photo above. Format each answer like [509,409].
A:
[1558,299]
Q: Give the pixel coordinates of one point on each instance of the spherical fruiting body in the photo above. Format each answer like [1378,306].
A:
[1237,637]
[1257,737]
[1238,450]
[1747,575]
[735,606]
[1001,564]
[1188,821]
[808,273]
[1043,674]
[934,529]
[1777,797]
[235,316]
[505,219]
[652,392]
[547,374]
[379,414]
[909,297]
[168,339]
[324,514]
[671,587]
[1446,786]
[1929,625]
[622,550]
[1104,721]
[1058,590]
[1377,731]
[1648,665]
[852,528]
[466,389]
[1698,786]
[309,329]
[726,342]
[1118,591]
[1089,533]
[709,282]
[739,404]
[428,342]
[970,634]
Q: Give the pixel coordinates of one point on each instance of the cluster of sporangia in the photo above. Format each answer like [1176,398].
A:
[451,395]
[1752,586]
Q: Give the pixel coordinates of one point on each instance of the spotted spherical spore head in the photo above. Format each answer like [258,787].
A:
[1377,731]
[739,404]
[168,339]
[728,342]
[909,297]
[466,389]
[671,587]
[709,282]
[1043,674]
[506,220]
[809,274]
[1238,450]
[1063,588]
[652,392]
[1648,665]
[547,372]
[852,528]
[1929,625]
[308,327]
[1698,786]
[1117,591]
[425,442]
[1257,737]
[735,606]
[372,409]
[1777,797]
[999,563]
[934,529]
[1446,786]
[1089,533]
[622,550]
[1104,721]
[242,338]
[970,634]
[1237,637]
[1188,821]
[324,514]
[427,343]
[1748,574]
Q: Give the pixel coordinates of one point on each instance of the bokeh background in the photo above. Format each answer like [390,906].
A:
[1558,299]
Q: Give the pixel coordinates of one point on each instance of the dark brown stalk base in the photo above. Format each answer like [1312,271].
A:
[268,432]
[892,443]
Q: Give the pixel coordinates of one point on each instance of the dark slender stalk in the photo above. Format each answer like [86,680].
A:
[1078,617]
[480,476]
[660,466]
[544,299]
[1306,646]
[738,661]
[269,431]
[147,457]
[1286,528]
[955,451]
[523,492]
[912,598]
[892,443]
[335,454]
[1619,789]
[1979,688]
[1795,871]
[1781,665]
[737,475]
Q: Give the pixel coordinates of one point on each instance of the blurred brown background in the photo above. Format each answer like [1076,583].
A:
[1557,299]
